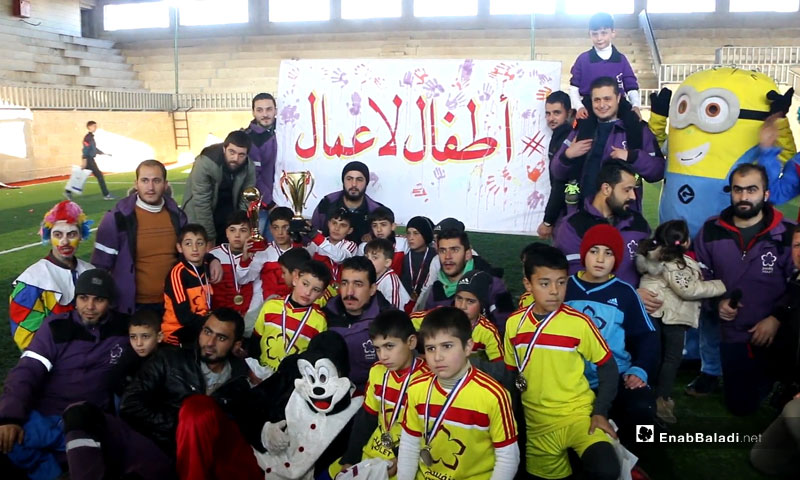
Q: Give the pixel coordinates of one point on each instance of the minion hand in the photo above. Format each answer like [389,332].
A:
[659,102]
[780,103]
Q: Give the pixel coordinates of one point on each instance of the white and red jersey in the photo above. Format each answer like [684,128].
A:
[331,254]
[229,287]
[264,266]
[401,248]
[391,287]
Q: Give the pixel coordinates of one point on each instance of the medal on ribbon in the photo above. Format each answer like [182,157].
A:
[425,454]
[520,382]
[386,436]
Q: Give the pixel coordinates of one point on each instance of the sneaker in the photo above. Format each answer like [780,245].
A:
[665,410]
[572,193]
[109,197]
[68,195]
[702,386]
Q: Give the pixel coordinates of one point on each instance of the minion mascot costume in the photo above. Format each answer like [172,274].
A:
[715,117]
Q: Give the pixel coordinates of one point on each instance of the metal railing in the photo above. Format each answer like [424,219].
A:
[758,55]
[650,36]
[63,98]
[677,72]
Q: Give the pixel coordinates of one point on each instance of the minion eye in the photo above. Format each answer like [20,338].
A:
[714,110]
[683,104]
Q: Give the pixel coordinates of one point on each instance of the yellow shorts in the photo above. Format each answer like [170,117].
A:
[546,454]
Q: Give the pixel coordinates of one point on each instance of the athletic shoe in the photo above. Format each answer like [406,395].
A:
[665,410]
[702,386]
[68,195]
[572,193]
[109,197]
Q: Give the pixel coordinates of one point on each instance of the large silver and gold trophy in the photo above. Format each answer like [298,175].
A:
[297,187]
[252,196]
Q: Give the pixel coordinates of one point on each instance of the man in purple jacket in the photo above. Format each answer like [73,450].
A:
[613,203]
[749,247]
[263,153]
[350,313]
[70,359]
[612,131]
[353,196]
[136,240]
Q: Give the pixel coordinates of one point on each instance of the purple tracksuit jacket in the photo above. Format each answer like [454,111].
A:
[589,66]
[760,269]
[263,153]
[333,201]
[65,363]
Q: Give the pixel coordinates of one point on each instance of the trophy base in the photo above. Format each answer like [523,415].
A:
[259,243]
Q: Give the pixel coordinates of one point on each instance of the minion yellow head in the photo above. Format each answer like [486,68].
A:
[715,117]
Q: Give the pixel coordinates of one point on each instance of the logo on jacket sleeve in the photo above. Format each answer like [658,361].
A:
[633,246]
[768,262]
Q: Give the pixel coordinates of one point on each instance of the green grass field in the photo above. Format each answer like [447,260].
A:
[22,210]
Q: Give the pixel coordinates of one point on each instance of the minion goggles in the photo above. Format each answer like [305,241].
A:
[713,110]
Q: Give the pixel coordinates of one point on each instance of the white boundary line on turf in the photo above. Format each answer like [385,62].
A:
[23,247]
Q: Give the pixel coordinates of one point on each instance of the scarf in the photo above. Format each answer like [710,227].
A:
[450,285]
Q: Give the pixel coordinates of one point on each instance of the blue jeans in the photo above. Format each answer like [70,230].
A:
[44,438]
[263,224]
[710,362]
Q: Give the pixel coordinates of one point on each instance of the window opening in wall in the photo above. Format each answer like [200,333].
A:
[516,7]
[299,10]
[213,12]
[445,8]
[358,9]
[764,5]
[681,6]
[588,7]
[127,16]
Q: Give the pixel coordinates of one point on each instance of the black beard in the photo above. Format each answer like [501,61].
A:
[619,211]
[753,211]
[353,198]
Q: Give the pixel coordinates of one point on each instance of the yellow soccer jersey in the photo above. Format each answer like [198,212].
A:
[557,388]
[525,300]
[274,347]
[479,420]
[485,336]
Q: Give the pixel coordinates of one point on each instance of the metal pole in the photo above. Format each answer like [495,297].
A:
[533,36]
[175,55]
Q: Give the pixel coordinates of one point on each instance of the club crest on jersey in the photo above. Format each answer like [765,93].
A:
[768,262]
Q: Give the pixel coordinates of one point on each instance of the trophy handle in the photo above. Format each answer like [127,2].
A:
[283,181]
[310,186]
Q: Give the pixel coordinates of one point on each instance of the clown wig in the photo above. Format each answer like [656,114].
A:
[69,212]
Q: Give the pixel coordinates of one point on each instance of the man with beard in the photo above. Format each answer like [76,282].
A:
[558,114]
[749,247]
[612,131]
[350,313]
[71,359]
[263,153]
[192,401]
[353,197]
[611,204]
[214,188]
[136,240]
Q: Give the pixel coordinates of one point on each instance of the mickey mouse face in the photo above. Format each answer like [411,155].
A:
[320,384]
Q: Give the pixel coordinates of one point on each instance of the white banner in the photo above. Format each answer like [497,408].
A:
[442,138]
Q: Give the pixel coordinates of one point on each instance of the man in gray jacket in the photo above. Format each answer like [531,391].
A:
[214,188]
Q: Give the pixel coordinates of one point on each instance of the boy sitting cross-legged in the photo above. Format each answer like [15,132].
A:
[458,421]
[376,430]
[546,344]
[285,325]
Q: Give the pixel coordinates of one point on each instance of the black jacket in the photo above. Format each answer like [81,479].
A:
[153,398]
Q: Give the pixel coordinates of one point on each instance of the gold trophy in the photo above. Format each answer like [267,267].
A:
[252,196]
[299,186]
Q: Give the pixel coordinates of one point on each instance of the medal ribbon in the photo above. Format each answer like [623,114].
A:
[540,328]
[233,267]
[429,434]
[399,402]
[415,282]
[206,287]
[299,329]
[280,252]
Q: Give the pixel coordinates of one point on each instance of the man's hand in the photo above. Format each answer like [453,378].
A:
[601,422]
[215,271]
[725,311]
[579,148]
[632,382]
[619,153]
[764,332]
[581,114]
[9,435]
[769,132]
[649,299]
[544,231]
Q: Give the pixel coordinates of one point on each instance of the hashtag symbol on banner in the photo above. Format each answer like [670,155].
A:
[533,143]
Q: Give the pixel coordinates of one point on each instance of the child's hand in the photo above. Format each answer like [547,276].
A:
[215,271]
[581,114]
[769,132]
[601,422]
[632,382]
[393,468]
[366,237]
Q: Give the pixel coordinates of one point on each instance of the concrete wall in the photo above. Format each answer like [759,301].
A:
[54,16]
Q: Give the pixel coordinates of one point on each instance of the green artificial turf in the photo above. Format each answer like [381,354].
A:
[21,211]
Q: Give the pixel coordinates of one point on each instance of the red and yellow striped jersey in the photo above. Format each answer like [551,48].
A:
[269,327]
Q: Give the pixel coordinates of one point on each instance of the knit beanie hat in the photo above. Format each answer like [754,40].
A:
[449,223]
[424,226]
[332,346]
[357,166]
[478,283]
[95,282]
[606,235]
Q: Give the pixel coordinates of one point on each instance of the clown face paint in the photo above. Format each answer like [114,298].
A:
[65,238]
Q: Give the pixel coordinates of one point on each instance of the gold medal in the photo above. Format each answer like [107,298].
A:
[425,456]
[521,383]
[238,299]
[386,440]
